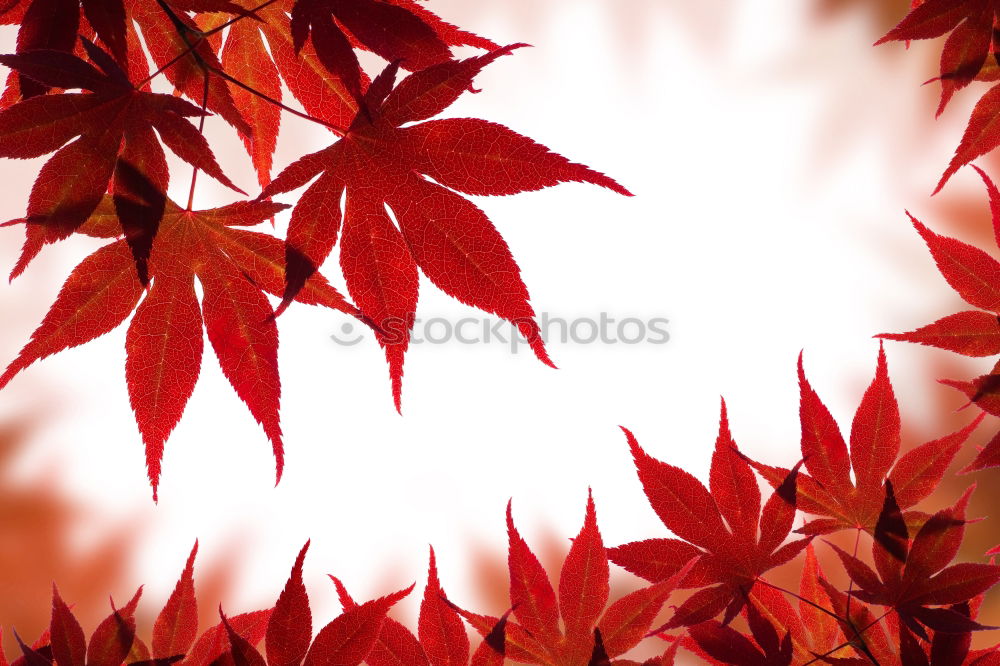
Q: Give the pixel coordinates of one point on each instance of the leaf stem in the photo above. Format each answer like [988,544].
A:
[201,130]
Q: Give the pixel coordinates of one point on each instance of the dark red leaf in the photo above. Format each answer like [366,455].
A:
[980,137]
[915,475]
[289,629]
[112,640]
[890,530]
[931,19]
[69,644]
[243,653]
[107,17]
[964,54]
[176,626]
[47,24]
[430,91]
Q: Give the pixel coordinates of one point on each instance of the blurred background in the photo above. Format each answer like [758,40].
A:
[772,151]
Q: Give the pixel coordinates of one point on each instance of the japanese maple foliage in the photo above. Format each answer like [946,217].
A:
[570,625]
[975,275]
[286,627]
[734,538]
[80,91]
[970,53]
[235,268]
[378,163]
[912,605]
[827,489]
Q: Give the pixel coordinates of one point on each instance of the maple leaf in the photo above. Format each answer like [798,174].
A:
[235,268]
[390,30]
[243,85]
[914,579]
[589,633]
[963,59]
[975,275]
[720,526]
[966,49]
[440,639]
[110,130]
[828,491]
[829,627]
[345,641]
[379,163]
[176,626]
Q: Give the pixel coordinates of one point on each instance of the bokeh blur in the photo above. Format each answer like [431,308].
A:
[772,151]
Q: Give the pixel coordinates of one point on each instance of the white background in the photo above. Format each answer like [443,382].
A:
[771,154]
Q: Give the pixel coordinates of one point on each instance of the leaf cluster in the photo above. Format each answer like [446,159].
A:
[388,191]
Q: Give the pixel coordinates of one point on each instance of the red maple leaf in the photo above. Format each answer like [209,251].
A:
[380,163]
[735,539]
[915,580]
[572,625]
[964,58]
[975,275]
[170,35]
[394,33]
[345,641]
[235,268]
[441,639]
[827,489]
[110,130]
[971,25]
